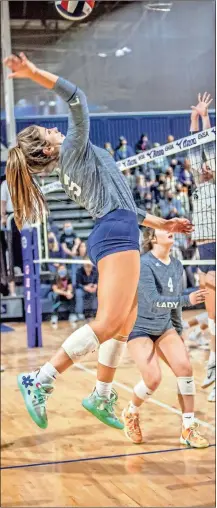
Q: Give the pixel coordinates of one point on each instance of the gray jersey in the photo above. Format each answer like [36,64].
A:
[159,295]
[88,173]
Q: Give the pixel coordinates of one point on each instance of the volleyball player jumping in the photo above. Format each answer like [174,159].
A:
[204,218]
[91,178]
[158,333]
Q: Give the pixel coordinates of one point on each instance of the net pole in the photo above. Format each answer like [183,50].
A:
[8,83]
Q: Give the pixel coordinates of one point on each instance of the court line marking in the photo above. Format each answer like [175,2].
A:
[101,457]
[153,401]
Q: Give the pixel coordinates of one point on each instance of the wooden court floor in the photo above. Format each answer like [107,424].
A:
[78,461]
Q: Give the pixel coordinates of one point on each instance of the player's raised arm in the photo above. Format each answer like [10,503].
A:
[201,110]
[79,126]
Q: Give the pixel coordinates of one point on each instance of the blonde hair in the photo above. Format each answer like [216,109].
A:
[55,242]
[24,161]
[148,237]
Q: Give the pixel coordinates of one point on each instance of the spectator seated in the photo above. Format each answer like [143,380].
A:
[54,250]
[69,241]
[63,292]
[123,151]
[86,291]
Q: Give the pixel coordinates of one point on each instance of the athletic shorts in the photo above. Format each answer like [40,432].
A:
[135,334]
[117,231]
[207,251]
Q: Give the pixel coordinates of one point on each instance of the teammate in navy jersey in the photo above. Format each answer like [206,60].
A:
[158,333]
[90,177]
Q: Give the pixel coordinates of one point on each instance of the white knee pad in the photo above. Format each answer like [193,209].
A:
[111,352]
[211,325]
[81,342]
[142,391]
[186,385]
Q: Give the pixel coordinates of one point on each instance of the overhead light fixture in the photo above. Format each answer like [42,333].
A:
[162,7]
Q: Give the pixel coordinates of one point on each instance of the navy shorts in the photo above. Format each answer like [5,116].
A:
[207,251]
[135,334]
[115,232]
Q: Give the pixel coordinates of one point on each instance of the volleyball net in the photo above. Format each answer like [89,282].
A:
[193,161]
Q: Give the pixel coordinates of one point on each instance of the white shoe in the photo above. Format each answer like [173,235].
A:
[72,318]
[211,397]
[54,320]
[185,325]
[210,377]
[195,334]
[81,317]
[204,344]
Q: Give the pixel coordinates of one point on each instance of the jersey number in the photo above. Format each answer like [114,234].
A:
[73,186]
[170,285]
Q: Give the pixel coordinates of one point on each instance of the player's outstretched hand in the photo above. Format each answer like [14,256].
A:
[177,225]
[203,104]
[198,296]
[20,66]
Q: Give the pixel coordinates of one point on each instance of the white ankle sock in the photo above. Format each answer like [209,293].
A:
[211,360]
[187,419]
[132,408]
[103,389]
[47,374]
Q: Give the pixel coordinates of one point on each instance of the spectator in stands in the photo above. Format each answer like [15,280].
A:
[160,164]
[52,227]
[109,148]
[54,251]
[139,191]
[170,207]
[170,180]
[69,241]
[149,202]
[143,144]
[170,138]
[81,254]
[183,198]
[175,164]
[123,150]
[150,177]
[130,178]
[86,291]
[159,188]
[82,250]
[185,175]
[63,293]
[13,239]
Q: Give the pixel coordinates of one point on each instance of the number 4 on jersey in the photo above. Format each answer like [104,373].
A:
[170,284]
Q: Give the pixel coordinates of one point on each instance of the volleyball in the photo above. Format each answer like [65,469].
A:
[74,10]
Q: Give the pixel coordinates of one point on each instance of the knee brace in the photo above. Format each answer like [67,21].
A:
[111,352]
[81,342]
[186,385]
[142,391]
[211,325]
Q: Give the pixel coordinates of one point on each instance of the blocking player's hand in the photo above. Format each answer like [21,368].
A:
[203,104]
[198,296]
[177,225]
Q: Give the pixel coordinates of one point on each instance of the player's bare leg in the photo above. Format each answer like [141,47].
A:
[117,287]
[209,281]
[172,348]
[103,398]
